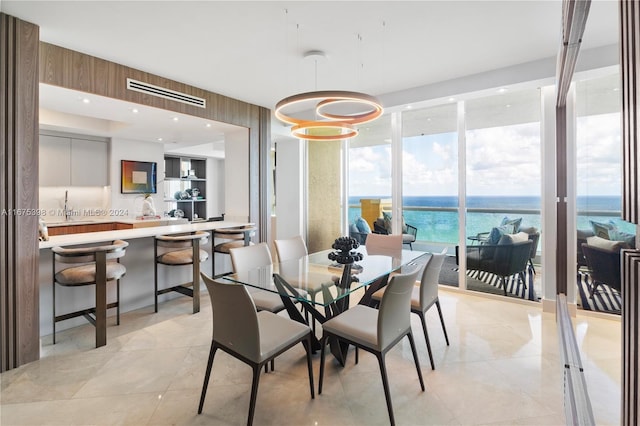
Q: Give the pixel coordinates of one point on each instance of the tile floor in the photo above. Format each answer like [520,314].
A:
[502,368]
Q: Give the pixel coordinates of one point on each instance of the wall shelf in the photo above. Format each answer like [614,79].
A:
[176,168]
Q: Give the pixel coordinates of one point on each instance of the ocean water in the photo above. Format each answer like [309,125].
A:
[437,217]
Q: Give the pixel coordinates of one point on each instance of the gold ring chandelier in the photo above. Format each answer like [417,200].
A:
[344,123]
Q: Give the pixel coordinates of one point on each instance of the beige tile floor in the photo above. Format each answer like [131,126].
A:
[502,367]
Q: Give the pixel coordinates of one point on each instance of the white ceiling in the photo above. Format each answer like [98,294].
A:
[253,50]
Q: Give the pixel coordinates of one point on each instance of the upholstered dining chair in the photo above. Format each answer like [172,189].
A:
[380,243]
[247,257]
[254,338]
[90,265]
[425,296]
[377,330]
[290,248]
[181,250]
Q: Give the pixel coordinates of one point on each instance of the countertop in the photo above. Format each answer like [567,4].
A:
[128,234]
[116,219]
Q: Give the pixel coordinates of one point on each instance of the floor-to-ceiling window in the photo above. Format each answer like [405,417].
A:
[598,181]
[369,168]
[503,183]
[430,173]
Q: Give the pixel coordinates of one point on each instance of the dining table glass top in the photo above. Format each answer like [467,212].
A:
[317,280]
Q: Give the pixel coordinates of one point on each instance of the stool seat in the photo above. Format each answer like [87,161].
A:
[181,257]
[226,246]
[86,274]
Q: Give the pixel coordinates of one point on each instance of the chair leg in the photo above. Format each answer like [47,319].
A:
[385,385]
[357,352]
[155,286]
[323,345]
[532,267]
[426,338]
[254,393]
[118,302]
[212,353]
[54,312]
[307,347]
[415,358]
[442,321]
[504,285]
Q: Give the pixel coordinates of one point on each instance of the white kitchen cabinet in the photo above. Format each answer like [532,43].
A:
[55,161]
[88,163]
[66,160]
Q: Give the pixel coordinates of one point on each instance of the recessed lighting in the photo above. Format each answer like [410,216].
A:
[615,89]
[86,100]
[508,105]
[208,125]
[159,139]
[175,118]
[452,99]
[408,107]
[502,90]
[134,110]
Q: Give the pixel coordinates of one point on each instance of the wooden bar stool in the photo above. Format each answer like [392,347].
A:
[239,236]
[90,265]
[181,250]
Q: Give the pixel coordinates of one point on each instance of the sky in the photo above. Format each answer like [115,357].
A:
[500,161]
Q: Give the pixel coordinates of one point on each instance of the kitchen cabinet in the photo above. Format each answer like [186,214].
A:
[67,160]
[186,174]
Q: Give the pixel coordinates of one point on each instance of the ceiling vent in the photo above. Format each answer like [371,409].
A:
[161,92]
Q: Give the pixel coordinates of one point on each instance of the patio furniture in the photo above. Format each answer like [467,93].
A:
[382,225]
[509,257]
[603,261]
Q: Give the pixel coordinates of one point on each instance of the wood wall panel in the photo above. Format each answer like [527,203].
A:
[19,292]
[74,70]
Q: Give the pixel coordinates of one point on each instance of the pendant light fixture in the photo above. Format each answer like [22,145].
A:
[328,110]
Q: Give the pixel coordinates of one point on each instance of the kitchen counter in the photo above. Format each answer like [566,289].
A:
[136,223]
[133,233]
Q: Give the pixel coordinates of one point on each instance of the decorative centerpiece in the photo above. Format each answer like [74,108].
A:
[148,208]
[345,255]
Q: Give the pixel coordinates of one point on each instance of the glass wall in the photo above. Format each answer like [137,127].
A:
[503,185]
[430,173]
[369,167]
[598,181]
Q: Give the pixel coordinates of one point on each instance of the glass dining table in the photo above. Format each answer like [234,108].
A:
[323,287]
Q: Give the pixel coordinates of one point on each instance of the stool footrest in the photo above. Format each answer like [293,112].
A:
[182,289]
[84,313]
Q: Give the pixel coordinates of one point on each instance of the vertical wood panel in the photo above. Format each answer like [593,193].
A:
[629,58]
[19,309]
[630,259]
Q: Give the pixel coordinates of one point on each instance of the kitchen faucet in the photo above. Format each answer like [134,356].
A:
[66,207]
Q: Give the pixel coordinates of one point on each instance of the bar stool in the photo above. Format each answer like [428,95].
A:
[90,265]
[181,250]
[239,236]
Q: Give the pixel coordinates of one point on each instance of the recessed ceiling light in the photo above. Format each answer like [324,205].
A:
[615,89]
[408,107]
[208,124]
[508,105]
[134,110]
[452,99]
[86,100]
[175,118]
[502,90]
[159,139]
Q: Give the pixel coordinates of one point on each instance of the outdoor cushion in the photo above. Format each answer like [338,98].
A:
[601,229]
[513,222]
[617,235]
[362,226]
[497,233]
[513,238]
[605,244]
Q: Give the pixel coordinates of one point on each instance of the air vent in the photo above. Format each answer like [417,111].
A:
[161,92]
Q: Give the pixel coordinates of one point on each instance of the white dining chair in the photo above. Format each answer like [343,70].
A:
[382,244]
[377,330]
[290,248]
[255,338]
[425,296]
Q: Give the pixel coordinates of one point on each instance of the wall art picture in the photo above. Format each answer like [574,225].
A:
[138,177]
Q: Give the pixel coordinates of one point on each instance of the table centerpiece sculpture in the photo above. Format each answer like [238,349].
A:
[345,255]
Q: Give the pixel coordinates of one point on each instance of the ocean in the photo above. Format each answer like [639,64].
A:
[437,217]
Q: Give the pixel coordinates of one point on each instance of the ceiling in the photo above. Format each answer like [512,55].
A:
[253,50]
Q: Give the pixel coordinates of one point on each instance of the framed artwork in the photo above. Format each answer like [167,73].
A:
[138,177]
